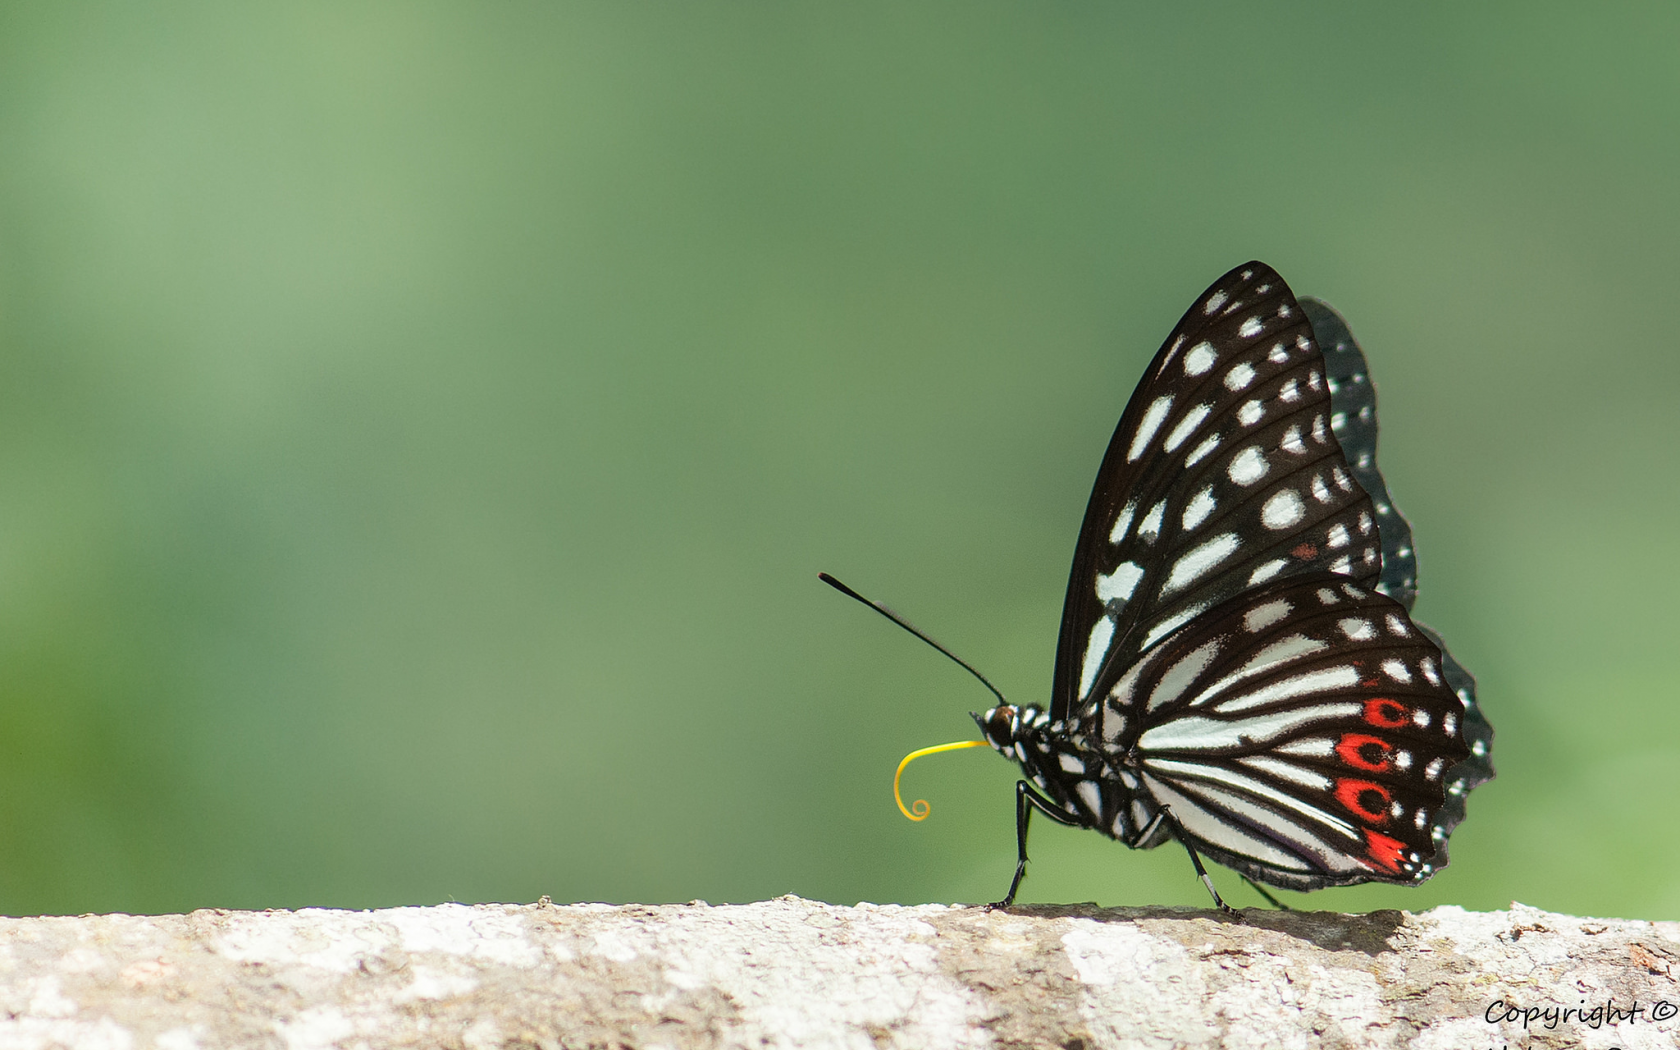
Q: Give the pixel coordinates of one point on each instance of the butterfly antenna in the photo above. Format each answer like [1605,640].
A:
[913,629]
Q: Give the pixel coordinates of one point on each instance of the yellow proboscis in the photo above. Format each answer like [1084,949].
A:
[918,810]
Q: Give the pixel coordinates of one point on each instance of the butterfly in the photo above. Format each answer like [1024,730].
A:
[1237,668]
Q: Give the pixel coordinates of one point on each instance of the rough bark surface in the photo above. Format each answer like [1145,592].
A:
[792,972]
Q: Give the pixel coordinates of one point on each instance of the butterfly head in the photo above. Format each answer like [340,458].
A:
[1006,727]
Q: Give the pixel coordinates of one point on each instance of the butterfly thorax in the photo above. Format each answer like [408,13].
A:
[1092,783]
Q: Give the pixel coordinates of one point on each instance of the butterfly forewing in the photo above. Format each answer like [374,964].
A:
[1353,419]
[1304,733]
[1224,473]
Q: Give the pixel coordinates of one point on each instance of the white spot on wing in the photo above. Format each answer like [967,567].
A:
[1261,617]
[1199,507]
[1396,670]
[1247,467]
[1310,747]
[1181,675]
[1291,391]
[1091,795]
[1071,764]
[1250,328]
[1178,343]
[1152,418]
[1171,624]
[1266,571]
[1200,451]
[1200,358]
[1281,652]
[1283,510]
[1214,302]
[1122,523]
[1186,426]
[1250,413]
[1357,630]
[1292,442]
[1095,650]
[1119,584]
[1198,560]
[1194,732]
[1330,679]
[1287,771]
[1239,376]
[1150,528]
[1338,536]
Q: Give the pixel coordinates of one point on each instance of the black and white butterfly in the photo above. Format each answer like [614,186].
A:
[1237,667]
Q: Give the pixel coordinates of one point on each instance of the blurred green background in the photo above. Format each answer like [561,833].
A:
[421,425]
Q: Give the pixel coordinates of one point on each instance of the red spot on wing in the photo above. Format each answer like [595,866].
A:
[1386,714]
[1366,799]
[1383,852]
[1356,749]
[1305,551]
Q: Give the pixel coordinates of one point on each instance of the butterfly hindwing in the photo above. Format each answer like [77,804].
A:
[1304,734]
[1223,473]
[1478,737]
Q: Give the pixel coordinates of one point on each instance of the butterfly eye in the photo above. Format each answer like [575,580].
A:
[1000,725]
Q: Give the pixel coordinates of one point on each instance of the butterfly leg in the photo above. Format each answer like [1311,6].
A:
[1026,800]
[1201,872]
[1261,890]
